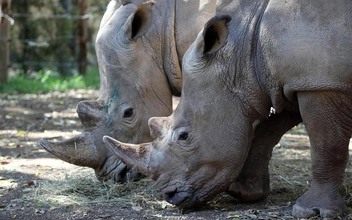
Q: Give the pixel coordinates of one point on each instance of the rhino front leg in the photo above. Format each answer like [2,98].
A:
[328,119]
[253,183]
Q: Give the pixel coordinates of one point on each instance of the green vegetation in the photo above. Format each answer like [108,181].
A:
[46,34]
[46,81]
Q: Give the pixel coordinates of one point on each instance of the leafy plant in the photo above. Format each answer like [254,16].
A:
[47,80]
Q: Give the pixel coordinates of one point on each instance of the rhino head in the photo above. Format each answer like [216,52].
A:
[198,151]
[133,88]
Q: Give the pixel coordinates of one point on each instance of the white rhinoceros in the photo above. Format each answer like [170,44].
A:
[139,49]
[294,56]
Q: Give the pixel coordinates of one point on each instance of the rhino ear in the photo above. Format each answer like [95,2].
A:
[215,33]
[139,22]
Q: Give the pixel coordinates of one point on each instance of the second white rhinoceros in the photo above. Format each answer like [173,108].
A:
[139,46]
[293,56]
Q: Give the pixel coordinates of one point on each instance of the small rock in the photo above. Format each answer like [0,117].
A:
[39,211]
[252,216]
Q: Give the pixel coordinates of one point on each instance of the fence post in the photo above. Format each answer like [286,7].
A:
[5,9]
[83,33]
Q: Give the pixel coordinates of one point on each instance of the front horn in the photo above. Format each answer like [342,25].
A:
[79,150]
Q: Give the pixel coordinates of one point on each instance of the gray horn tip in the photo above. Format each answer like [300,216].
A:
[109,140]
[44,144]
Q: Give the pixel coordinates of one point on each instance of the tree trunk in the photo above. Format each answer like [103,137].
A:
[83,33]
[5,6]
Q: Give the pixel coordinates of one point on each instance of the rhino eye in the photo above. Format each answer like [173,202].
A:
[183,136]
[128,113]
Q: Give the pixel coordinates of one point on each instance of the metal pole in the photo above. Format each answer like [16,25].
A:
[6,21]
[83,33]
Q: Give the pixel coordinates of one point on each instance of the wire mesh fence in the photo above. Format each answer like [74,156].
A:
[52,34]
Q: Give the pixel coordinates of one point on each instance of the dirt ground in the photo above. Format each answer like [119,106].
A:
[24,166]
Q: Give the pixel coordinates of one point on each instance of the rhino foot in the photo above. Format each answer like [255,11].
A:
[114,169]
[312,204]
[250,190]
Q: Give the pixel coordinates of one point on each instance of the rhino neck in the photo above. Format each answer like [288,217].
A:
[265,87]
[184,21]
[243,56]
[171,62]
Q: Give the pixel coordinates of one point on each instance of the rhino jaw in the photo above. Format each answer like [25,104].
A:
[133,155]
[79,150]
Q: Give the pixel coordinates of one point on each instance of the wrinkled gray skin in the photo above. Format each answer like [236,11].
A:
[139,49]
[294,56]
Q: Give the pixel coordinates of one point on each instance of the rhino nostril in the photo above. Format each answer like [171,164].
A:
[169,196]
[176,197]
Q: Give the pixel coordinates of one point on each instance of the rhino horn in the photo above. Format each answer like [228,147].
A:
[79,150]
[133,155]
[90,113]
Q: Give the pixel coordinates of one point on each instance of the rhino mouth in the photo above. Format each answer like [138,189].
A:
[177,197]
[190,196]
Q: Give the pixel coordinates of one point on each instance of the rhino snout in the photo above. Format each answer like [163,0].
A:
[171,195]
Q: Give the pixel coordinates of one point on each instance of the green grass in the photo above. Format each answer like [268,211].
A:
[47,81]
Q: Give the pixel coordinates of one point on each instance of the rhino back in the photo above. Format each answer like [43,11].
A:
[307,45]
